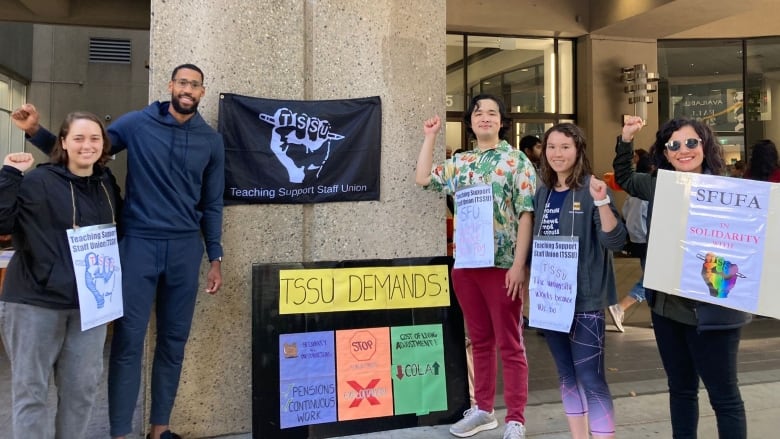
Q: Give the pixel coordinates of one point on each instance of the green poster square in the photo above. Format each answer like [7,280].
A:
[419,381]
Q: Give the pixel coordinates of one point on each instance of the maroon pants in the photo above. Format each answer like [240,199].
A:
[492,318]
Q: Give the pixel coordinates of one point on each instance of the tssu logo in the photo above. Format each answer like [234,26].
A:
[300,142]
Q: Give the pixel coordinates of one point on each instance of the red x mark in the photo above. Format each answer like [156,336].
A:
[360,391]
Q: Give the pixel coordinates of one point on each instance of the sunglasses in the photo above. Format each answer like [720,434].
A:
[675,145]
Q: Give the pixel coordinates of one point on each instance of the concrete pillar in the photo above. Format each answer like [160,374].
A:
[600,98]
[301,49]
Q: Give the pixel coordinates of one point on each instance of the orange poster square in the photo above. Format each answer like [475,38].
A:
[365,388]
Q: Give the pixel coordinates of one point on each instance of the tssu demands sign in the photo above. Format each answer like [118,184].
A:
[300,151]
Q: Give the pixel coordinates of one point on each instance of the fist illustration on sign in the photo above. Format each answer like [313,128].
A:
[97,276]
[300,142]
[719,274]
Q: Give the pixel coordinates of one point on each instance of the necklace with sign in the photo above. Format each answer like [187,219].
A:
[474,245]
[553,286]
[94,251]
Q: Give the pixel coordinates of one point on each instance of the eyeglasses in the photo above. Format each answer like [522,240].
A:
[675,145]
[183,83]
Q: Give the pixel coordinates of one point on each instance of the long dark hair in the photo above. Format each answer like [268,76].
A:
[60,156]
[581,166]
[474,105]
[643,161]
[763,160]
[713,153]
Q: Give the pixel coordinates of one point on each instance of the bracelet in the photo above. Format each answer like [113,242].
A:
[604,202]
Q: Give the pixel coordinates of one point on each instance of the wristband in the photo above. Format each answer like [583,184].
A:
[604,202]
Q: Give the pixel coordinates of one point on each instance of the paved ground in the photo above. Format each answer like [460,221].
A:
[634,368]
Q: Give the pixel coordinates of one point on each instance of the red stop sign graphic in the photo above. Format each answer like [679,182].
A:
[362,345]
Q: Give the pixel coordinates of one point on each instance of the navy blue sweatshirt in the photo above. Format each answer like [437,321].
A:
[175,175]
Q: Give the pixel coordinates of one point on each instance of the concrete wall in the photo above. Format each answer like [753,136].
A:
[63,79]
[16,41]
[302,49]
[548,18]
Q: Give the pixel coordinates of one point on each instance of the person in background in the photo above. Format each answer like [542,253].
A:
[570,201]
[40,321]
[696,340]
[635,215]
[738,169]
[175,184]
[763,162]
[532,148]
[490,296]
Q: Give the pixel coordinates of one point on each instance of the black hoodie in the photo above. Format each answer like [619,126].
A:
[37,209]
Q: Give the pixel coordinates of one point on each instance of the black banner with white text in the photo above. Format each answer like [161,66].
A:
[279,151]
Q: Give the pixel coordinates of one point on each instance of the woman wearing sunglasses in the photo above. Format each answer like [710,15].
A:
[695,339]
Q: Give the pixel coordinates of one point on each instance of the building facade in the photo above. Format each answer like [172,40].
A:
[556,60]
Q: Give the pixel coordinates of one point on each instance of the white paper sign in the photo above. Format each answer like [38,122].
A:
[711,240]
[474,245]
[553,289]
[5,257]
[95,254]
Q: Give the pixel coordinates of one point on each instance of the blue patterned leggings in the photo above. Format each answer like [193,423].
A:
[579,357]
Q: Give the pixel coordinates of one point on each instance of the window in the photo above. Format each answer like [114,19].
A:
[12,95]
[533,76]
[703,80]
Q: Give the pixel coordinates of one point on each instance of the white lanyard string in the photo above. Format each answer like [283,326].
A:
[73,201]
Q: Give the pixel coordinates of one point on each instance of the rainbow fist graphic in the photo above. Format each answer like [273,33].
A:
[719,274]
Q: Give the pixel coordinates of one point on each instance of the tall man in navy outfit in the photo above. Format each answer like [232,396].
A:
[175,182]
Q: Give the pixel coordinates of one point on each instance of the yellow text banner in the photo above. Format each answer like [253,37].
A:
[363,288]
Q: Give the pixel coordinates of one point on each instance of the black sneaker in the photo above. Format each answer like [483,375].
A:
[167,434]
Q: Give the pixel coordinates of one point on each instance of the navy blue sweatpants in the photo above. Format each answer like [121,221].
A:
[161,272]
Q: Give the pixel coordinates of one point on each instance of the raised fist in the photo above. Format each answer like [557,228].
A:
[719,274]
[97,276]
[26,118]
[432,126]
[598,189]
[300,142]
[19,160]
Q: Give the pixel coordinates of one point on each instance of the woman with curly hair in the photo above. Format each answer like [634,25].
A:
[696,340]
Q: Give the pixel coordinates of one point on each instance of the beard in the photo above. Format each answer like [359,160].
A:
[183,110]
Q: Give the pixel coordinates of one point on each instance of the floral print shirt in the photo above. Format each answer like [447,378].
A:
[513,180]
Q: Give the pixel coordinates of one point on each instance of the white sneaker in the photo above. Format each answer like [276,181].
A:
[514,430]
[617,314]
[474,420]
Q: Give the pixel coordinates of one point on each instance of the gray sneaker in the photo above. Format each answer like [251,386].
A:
[474,420]
[514,430]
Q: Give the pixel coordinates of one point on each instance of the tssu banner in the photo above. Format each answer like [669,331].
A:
[715,239]
[280,151]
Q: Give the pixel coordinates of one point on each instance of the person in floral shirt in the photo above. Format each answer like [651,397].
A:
[489,288]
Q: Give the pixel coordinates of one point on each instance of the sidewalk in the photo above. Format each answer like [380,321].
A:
[645,416]
[633,368]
